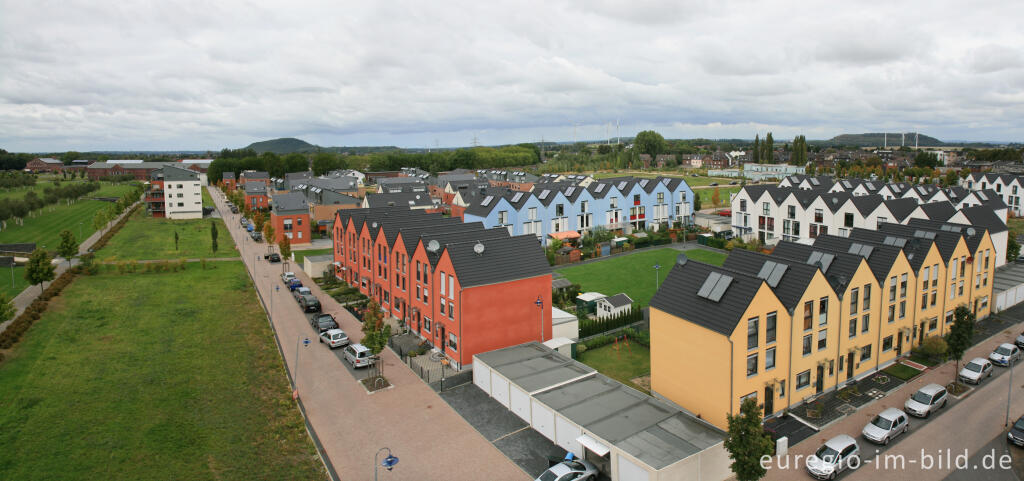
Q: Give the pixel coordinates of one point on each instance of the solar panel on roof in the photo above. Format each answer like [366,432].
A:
[923,234]
[949,228]
[515,198]
[622,185]
[544,194]
[709,284]
[766,269]
[600,187]
[814,181]
[643,183]
[776,275]
[982,196]
[487,200]
[570,191]
[720,287]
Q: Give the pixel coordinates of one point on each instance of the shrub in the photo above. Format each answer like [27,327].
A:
[934,347]
[598,341]
[580,349]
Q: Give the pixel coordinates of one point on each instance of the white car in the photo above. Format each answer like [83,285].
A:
[976,370]
[334,338]
[833,457]
[1004,354]
[926,400]
[287,276]
[576,470]
[886,425]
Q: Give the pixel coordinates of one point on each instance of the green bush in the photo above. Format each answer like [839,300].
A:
[590,327]
[597,342]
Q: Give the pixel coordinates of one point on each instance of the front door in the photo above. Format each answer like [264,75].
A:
[821,380]
[849,365]
[899,343]
[440,331]
[769,401]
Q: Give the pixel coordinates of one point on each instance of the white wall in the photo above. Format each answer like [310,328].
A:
[543,420]
[570,330]
[566,433]
[482,376]
[519,402]
[191,199]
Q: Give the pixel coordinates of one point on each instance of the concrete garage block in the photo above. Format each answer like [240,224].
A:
[781,446]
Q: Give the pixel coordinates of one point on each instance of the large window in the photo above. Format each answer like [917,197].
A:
[892,288]
[769,359]
[823,311]
[822,339]
[867,297]
[752,364]
[887,344]
[903,286]
[865,323]
[848,220]
[752,333]
[769,328]
[853,327]
[865,353]
[854,299]
[453,342]
[808,314]
[807,345]
[803,379]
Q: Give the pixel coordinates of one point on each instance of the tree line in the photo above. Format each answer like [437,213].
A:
[18,208]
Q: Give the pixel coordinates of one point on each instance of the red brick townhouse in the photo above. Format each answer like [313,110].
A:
[463,288]
[228,181]
[289,214]
[256,195]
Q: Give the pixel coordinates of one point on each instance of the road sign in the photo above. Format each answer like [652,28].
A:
[305,342]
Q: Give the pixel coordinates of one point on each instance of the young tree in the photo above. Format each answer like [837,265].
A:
[716,197]
[99,220]
[696,202]
[756,153]
[258,220]
[768,145]
[39,268]
[376,333]
[7,309]
[268,234]
[1012,249]
[959,337]
[748,443]
[213,236]
[68,245]
[286,250]
[175,240]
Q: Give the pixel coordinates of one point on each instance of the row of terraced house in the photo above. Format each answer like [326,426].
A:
[786,327]
[622,204]
[464,288]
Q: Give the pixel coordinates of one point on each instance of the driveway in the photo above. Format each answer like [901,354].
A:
[430,439]
[970,423]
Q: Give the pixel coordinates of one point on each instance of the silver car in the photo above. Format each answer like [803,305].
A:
[1005,354]
[576,470]
[334,338]
[926,400]
[975,371]
[833,457]
[886,425]
[1020,340]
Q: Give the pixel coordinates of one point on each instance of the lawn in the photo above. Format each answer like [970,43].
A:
[19,281]
[623,362]
[723,194]
[145,237]
[207,201]
[115,382]
[44,229]
[690,180]
[632,273]
[299,255]
[901,371]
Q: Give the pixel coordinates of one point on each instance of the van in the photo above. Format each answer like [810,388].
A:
[358,355]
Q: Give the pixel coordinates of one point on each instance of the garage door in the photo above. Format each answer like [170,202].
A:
[499,388]
[629,471]
[543,420]
[567,432]
[482,376]
[519,403]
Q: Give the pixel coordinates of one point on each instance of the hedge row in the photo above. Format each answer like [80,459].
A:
[34,311]
[590,327]
[640,337]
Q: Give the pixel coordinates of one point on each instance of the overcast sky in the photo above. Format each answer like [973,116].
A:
[104,75]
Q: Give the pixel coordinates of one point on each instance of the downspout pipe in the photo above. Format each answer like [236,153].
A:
[731,374]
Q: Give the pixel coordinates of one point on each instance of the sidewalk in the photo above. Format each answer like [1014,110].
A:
[432,441]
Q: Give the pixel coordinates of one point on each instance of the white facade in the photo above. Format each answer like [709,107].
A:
[183,199]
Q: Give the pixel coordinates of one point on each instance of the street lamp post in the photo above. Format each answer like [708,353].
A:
[388,462]
[540,304]
[657,267]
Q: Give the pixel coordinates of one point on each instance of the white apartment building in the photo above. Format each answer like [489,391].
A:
[183,192]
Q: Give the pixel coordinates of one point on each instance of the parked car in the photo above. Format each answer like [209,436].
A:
[323,322]
[334,338]
[309,303]
[886,425]
[234,210]
[976,370]
[256,236]
[713,184]
[244,221]
[833,457]
[926,400]
[301,291]
[1004,354]
[287,276]
[733,183]
[293,284]
[273,257]
[250,227]
[358,355]
[1020,340]
[577,469]
[1016,434]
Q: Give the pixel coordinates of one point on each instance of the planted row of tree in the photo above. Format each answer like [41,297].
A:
[590,327]
[19,208]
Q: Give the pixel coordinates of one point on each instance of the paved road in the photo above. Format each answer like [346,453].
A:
[432,441]
[970,423]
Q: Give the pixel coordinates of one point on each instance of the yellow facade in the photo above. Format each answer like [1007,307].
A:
[931,299]
[984,267]
[898,304]
[814,354]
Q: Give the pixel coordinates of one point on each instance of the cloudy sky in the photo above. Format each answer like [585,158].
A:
[105,75]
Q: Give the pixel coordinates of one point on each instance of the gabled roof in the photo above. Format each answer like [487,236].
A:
[619,300]
[174,173]
[881,258]
[901,208]
[454,234]
[411,199]
[915,248]
[940,211]
[290,203]
[838,268]
[499,260]
[983,216]
[971,234]
[992,199]
[791,285]
[678,296]
[254,174]
[946,241]
[255,188]
[866,204]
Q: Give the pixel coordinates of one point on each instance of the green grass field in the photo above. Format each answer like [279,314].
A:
[299,255]
[115,382]
[145,237]
[45,227]
[723,194]
[19,281]
[633,273]
[622,362]
[207,201]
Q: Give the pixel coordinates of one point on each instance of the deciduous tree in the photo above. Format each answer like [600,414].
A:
[960,334]
[716,197]
[650,142]
[39,268]
[68,245]
[213,236]
[748,442]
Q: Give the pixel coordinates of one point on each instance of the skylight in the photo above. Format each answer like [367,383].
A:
[487,200]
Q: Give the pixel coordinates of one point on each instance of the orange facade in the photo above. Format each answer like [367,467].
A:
[257,201]
[295,224]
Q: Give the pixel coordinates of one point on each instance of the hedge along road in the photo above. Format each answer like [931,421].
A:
[432,441]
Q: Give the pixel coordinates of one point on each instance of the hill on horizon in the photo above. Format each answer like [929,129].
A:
[290,145]
[878,139]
